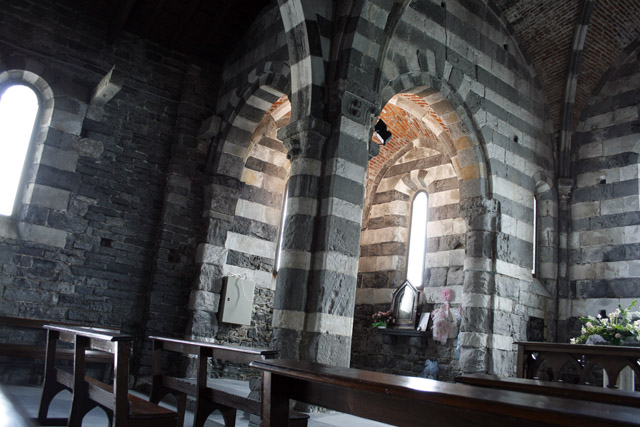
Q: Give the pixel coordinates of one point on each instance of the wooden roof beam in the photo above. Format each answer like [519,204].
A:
[118,19]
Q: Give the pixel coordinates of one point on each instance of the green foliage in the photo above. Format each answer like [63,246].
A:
[381,318]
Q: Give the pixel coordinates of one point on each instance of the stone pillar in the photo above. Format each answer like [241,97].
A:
[565,185]
[305,141]
[336,255]
[316,284]
[220,199]
[476,333]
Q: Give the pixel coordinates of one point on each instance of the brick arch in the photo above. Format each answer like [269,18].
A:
[451,124]
[266,85]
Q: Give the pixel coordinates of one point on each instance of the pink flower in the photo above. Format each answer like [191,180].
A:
[446,294]
[618,335]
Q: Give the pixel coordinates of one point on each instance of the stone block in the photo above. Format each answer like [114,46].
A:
[473,360]
[211,254]
[61,179]
[42,235]
[204,301]
[48,197]
[107,88]
[60,159]
[476,319]
[67,122]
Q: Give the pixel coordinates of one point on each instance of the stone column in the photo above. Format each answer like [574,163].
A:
[316,285]
[336,253]
[305,141]
[565,185]
[476,331]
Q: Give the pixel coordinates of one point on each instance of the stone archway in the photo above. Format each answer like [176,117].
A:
[457,140]
[241,206]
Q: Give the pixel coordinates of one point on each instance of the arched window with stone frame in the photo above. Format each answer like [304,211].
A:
[28,191]
[283,215]
[417,246]
[534,252]
[19,114]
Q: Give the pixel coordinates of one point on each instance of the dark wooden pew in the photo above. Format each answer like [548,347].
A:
[36,350]
[210,396]
[123,409]
[411,401]
[581,358]
[548,388]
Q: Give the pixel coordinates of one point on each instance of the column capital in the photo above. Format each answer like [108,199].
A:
[565,185]
[305,137]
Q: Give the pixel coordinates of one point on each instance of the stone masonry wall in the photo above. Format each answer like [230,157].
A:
[604,242]
[89,255]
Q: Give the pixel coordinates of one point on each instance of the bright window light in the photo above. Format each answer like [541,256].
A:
[534,255]
[285,207]
[417,239]
[18,110]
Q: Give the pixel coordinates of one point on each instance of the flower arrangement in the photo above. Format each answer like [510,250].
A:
[621,326]
[381,318]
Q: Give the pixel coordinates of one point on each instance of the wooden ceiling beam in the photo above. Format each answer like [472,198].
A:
[184,20]
[119,18]
[153,17]
[213,27]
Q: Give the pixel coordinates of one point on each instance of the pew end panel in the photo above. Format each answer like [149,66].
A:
[209,394]
[122,408]
[23,349]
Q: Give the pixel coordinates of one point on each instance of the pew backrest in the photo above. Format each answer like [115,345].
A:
[549,388]
[411,401]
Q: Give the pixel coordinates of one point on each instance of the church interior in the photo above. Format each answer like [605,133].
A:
[273,174]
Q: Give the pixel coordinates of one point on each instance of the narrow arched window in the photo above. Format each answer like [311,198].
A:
[417,239]
[534,254]
[18,111]
[285,206]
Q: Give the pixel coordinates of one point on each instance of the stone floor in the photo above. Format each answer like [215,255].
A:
[29,398]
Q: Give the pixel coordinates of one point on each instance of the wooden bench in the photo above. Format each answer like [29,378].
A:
[411,401]
[36,350]
[548,388]
[210,396]
[122,408]
[582,359]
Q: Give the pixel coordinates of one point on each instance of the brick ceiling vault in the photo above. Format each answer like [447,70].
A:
[545,30]
[405,116]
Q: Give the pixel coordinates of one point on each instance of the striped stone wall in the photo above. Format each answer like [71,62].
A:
[243,213]
[464,52]
[385,238]
[604,242]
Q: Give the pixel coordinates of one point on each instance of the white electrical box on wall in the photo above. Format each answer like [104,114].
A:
[237,300]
